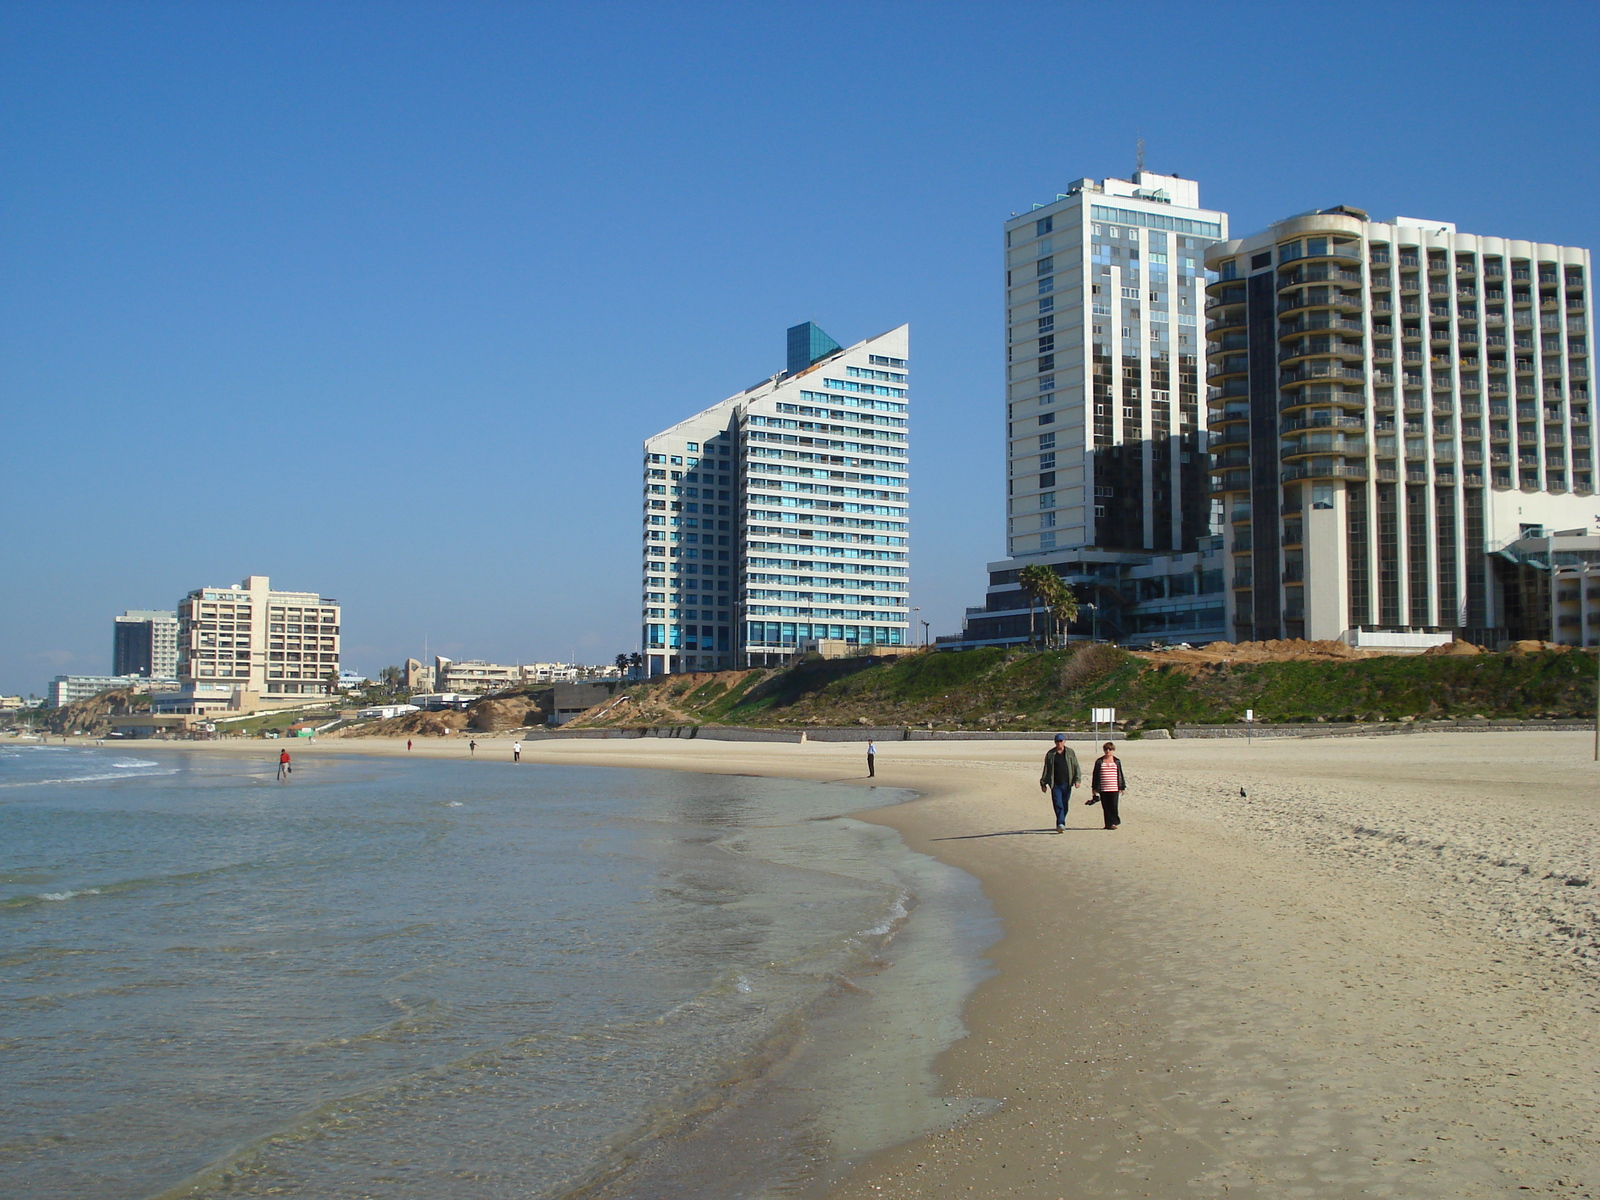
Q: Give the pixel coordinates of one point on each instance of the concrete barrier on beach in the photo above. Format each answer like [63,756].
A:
[743,733]
[1381,728]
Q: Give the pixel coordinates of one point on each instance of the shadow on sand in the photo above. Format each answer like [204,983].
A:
[1050,830]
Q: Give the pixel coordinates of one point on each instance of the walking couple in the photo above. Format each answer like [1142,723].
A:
[1062,774]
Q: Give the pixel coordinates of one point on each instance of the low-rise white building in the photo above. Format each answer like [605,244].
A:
[385,711]
[69,689]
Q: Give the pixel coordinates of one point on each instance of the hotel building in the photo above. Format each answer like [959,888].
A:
[777,517]
[248,646]
[1393,405]
[145,642]
[1106,477]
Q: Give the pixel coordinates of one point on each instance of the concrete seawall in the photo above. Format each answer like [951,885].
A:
[738,733]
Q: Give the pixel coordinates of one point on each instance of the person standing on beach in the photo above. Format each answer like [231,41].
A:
[1061,775]
[872,759]
[472,746]
[408,743]
[516,751]
[1109,785]
[283,766]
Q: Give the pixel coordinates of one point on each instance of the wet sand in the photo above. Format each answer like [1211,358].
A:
[1377,973]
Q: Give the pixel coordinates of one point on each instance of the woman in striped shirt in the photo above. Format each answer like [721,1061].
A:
[1109,785]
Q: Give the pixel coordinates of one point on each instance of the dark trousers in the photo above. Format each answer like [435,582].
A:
[872,765]
[1108,808]
[1060,793]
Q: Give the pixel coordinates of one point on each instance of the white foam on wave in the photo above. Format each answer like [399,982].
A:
[454,804]
[897,913]
[69,894]
[126,763]
[82,778]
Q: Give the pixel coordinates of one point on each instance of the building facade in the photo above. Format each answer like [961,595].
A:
[779,516]
[1105,421]
[1391,404]
[1106,479]
[475,675]
[69,689]
[248,646]
[145,642]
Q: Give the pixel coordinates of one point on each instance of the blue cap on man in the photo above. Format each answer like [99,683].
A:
[1061,737]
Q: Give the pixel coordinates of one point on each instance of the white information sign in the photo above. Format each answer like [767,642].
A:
[1103,716]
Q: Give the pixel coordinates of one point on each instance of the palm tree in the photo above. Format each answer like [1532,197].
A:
[1041,584]
[636,661]
[622,663]
[1063,608]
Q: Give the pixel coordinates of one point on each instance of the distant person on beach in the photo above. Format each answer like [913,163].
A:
[872,759]
[1061,775]
[408,743]
[283,766]
[472,747]
[1109,785]
[516,751]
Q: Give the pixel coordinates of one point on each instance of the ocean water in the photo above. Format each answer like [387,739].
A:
[408,978]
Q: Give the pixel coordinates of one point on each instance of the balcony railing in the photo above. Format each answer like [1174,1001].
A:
[1320,322]
[1325,471]
[1322,421]
[1320,370]
[1333,350]
[1318,275]
[1334,299]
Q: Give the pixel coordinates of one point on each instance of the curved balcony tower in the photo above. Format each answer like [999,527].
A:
[1390,402]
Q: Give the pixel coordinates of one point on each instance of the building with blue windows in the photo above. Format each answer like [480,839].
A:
[1106,421]
[777,517]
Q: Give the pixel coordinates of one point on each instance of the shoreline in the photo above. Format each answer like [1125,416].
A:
[1325,986]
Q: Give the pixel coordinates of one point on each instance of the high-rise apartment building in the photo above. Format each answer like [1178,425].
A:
[1104,288]
[1392,404]
[247,646]
[145,642]
[777,517]
[1105,417]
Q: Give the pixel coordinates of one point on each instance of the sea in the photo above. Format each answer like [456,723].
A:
[457,979]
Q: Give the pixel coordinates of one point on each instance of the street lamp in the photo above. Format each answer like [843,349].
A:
[924,635]
[918,612]
[1094,617]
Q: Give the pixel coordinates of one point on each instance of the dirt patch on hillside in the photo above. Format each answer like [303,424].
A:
[1278,650]
[681,700]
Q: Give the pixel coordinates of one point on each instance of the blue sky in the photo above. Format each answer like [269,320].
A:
[380,299]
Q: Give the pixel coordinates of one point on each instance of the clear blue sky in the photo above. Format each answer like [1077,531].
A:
[380,299]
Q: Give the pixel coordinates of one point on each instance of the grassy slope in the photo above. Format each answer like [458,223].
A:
[1026,690]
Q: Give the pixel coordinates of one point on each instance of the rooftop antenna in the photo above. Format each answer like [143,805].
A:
[1140,156]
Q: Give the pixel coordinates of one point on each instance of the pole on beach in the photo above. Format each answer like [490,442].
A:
[1249,726]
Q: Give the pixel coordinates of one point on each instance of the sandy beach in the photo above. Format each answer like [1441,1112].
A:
[1375,973]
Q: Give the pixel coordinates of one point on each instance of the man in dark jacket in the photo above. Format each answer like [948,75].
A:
[1061,775]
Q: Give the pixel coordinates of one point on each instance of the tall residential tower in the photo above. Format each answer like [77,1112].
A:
[1393,405]
[1105,419]
[777,517]
[145,643]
